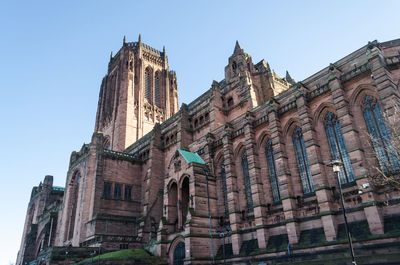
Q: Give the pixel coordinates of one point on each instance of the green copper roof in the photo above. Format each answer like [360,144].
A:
[191,157]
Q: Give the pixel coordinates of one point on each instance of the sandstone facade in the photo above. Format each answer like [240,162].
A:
[265,141]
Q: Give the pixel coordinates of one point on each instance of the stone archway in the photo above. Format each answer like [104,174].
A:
[179,254]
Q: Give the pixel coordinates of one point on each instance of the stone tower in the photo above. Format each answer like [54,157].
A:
[138,91]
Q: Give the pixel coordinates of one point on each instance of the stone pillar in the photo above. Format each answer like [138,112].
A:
[259,207]
[231,183]
[387,89]
[282,168]
[354,149]
[317,167]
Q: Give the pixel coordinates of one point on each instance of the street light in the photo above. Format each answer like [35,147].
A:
[336,164]
[223,235]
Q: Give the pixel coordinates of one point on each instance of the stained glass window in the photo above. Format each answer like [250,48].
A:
[147,85]
[157,90]
[381,139]
[269,152]
[302,161]
[338,147]
[247,182]
[224,190]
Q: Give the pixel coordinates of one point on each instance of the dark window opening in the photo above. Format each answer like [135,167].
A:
[117,191]
[107,190]
[230,102]
[128,193]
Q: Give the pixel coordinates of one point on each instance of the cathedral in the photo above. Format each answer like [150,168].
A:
[239,175]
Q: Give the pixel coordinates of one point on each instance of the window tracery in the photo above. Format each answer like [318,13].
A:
[380,134]
[224,189]
[147,85]
[302,161]
[338,147]
[269,152]
[157,90]
[245,168]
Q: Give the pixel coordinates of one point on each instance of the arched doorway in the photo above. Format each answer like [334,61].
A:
[179,253]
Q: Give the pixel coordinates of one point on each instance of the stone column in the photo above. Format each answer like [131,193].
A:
[354,149]
[231,183]
[283,173]
[317,167]
[259,207]
[387,89]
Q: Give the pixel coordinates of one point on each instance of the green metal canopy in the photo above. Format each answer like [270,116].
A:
[191,157]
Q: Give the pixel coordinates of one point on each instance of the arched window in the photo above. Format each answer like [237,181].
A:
[106,143]
[338,147]
[380,134]
[185,199]
[73,202]
[157,96]
[224,189]
[269,152]
[147,84]
[247,186]
[302,161]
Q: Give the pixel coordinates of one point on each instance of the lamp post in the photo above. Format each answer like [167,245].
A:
[336,164]
[223,235]
[66,257]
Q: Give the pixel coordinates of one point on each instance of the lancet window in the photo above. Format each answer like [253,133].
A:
[147,84]
[269,152]
[157,96]
[338,147]
[245,167]
[224,189]
[302,161]
[387,155]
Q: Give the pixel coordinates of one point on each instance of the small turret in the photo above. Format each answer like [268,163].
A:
[238,48]
[124,41]
[289,79]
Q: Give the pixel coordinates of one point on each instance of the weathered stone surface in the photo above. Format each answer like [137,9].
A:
[130,186]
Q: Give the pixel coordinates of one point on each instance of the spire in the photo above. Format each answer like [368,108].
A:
[111,55]
[289,79]
[238,48]
[124,41]
[140,38]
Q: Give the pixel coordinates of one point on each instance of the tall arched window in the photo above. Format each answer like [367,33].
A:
[73,202]
[338,147]
[380,134]
[224,189]
[302,161]
[247,182]
[269,152]
[147,84]
[157,96]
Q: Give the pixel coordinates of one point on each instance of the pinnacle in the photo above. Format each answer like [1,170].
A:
[238,48]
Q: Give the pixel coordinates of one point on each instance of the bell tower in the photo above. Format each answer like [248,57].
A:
[138,91]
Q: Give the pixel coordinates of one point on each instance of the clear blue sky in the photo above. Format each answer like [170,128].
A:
[55,53]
